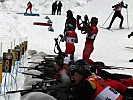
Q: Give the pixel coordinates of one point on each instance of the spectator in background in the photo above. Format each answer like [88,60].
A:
[29,6]
[54,7]
[59,8]
[70,36]
[70,20]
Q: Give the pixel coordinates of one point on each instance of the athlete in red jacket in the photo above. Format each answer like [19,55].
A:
[29,6]
[90,86]
[91,32]
[70,40]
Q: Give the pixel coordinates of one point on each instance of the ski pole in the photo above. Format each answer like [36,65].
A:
[127,19]
[107,18]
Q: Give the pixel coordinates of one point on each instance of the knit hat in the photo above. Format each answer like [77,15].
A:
[69,14]
[82,67]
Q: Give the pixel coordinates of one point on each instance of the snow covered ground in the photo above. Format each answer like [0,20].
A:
[109,46]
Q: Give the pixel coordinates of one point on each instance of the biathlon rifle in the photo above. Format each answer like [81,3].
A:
[39,68]
[45,76]
[38,87]
[57,44]
[43,63]
[87,29]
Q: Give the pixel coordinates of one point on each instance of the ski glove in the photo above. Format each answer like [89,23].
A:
[130,35]
[61,35]
[126,6]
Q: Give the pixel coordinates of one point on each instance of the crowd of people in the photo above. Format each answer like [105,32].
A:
[91,82]
[88,80]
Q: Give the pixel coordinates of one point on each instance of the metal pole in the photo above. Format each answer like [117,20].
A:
[1,49]
[14,43]
[108,18]
[11,46]
[127,20]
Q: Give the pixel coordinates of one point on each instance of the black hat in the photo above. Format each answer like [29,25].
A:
[69,13]
[82,67]
[122,2]
[94,20]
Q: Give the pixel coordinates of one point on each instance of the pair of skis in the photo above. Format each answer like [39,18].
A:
[129,47]
[105,28]
[111,29]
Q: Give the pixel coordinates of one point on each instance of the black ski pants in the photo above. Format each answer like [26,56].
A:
[117,14]
[59,11]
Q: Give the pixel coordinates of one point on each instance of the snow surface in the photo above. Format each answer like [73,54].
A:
[109,47]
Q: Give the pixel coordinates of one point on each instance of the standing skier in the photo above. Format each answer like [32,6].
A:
[70,40]
[70,36]
[59,8]
[91,30]
[117,8]
[29,6]
[70,20]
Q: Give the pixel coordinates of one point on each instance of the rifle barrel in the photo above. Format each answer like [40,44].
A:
[34,62]
[119,67]
[17,91]
[24,67]
[113,67]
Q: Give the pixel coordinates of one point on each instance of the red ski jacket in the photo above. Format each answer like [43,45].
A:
[70,40]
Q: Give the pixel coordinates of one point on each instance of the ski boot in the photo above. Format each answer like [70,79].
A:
[108,28]
[130,35]
[131,60]
[121,27]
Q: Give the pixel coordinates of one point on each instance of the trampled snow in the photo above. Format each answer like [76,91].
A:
[109,47]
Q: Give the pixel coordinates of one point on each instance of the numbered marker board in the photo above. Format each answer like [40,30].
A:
[25,45]
[18,53]
[14,57]
[7,62]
